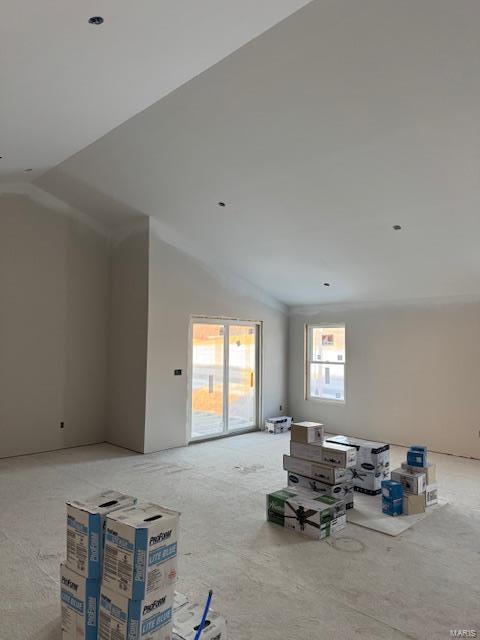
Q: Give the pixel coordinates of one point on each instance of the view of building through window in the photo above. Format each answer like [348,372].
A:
[326,362]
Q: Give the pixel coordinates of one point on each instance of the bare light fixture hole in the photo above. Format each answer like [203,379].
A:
[27,170]
[95,20]
[396,227]
[326,284]
[222,204]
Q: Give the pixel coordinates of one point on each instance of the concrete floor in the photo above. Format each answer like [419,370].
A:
[269,583]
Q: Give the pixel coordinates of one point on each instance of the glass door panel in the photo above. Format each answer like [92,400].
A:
[242,360]
[208,374]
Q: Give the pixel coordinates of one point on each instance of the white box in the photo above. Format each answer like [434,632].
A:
[431,494]
[308,432]
[342,490]
[430,471]
[332,454]
[371,456]
[140,550]
[278,424]
[339,455]
[187,620]
[369,482]
[412,482]
[124,619]
[79,597]
[85,530]
[315,470]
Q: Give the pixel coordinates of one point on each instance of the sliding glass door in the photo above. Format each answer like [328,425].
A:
[224,365]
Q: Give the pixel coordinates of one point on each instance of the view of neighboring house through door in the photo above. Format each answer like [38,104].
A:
[223,376]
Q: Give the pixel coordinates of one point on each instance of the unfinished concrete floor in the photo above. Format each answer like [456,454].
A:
[269,583]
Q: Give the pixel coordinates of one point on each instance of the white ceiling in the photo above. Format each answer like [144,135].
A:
[343,120]
[65,83]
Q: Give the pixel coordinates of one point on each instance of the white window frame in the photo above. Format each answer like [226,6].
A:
[308,361]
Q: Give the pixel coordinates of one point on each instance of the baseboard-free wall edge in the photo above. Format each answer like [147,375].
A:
[122,446]
[71,446]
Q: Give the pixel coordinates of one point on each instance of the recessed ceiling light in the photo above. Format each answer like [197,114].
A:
[95,20]
[222,204]
[326,284]
[396,227]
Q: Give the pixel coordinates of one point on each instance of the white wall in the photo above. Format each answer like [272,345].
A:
[412,374]
[181,286]
[53,329]
[128,337]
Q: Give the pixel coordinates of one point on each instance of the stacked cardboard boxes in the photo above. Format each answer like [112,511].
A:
[81,573]
[418,478]
[319,486]
[372,466]
[319,466]
[139,573]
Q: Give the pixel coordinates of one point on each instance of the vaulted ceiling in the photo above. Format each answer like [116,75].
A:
[343,120]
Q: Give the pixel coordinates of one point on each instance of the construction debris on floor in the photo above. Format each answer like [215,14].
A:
[119,576]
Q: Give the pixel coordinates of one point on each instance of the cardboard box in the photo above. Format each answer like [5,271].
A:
[187,620]
[308,432]
[417,457]
[124,619]
[371,456]
[413,503]
[431,495]
[80,598]
[412,482]
[392,507]
[339,455]
[315,470]
[332,454]
[278,425]
[430,471]
[392,490]
[369,482]
[312,516]
[85,530]
[343,490]
[140,550]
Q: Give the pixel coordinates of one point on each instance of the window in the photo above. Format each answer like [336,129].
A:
[325,362]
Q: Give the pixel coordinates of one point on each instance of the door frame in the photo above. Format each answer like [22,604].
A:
[199,319]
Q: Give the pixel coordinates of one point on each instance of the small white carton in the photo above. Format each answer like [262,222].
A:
[140,550]
[308,432]
[125,619]
[332,454]
[316,470]
[430,471]
[187,620]
[85,530]
[412,482]
[79,597]
[280,424]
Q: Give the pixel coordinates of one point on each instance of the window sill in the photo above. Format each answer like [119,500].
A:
[326,401]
